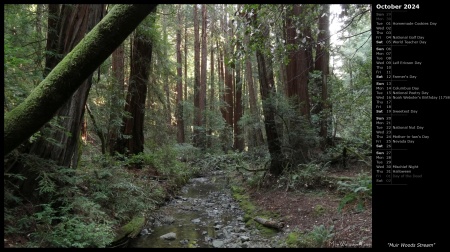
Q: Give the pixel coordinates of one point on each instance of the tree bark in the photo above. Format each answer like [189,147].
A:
[229,104]
[179,109]
[117,95]
[267,89]
[133,126]
[197,112]
[212,83]
[255,132]
[269,223]
[68,28]
[203,72]
[51,57]
[41,105]
[74,22]
[166,77]
[238,139]
[322,64]
[304,65]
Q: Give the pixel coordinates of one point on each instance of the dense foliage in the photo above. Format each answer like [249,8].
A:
[83,206]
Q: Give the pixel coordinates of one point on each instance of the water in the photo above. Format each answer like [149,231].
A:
[202,200]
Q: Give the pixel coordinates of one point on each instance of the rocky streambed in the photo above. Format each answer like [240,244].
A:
[203,215]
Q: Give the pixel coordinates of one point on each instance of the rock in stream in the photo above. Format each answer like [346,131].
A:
[204,215]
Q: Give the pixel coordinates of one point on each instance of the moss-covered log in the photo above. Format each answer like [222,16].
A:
[269,223]
[127,232]
[40,106]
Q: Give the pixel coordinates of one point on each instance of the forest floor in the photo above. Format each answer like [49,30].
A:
[302,210]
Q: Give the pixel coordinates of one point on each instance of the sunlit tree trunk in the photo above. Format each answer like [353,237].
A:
[255,133]
[212,92]
[166,77]
[322,64]
[197,83]
[203,74]
[185,64]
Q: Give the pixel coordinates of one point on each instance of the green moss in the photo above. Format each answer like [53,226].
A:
[266,231]
[251,211]
[192,244]
[292,239]
[319,210]
[131,229]
[298,239]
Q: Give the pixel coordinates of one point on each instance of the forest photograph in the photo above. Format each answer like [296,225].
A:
[187,125]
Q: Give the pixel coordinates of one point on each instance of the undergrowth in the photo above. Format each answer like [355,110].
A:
[84,207]
[356,192]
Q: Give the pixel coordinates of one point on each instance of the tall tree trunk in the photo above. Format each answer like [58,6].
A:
[133,126]
[197,83]
[166,77]
[212,83]
[52,58]
[238,139]
[322,64]
[212,92]
[291,68]
[74,22]
[267,89]
[185,54]
[304,64]
[227,104]
[228,75]
[39,14]
[221,70]
[256,133]
[61,83]
[237,111]
[299,63]
[179,108]
[185,61]
[117,95]
[203,74]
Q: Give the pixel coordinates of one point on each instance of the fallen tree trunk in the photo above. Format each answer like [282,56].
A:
[127,232]
[66,77]
[269,223]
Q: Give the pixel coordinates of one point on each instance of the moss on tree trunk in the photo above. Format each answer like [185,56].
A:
[41,105]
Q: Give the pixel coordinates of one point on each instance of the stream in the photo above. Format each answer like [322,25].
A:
[203,215]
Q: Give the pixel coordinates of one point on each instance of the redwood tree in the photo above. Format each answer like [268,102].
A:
[267,89]
[322,64]
[118,86]
[133,126]
[197,112]
[238,139]
[179,107]
[68,24]
[65,78]
[203,74]
[256,132]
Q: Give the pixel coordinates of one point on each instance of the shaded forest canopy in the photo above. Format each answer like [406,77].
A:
[93,92]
